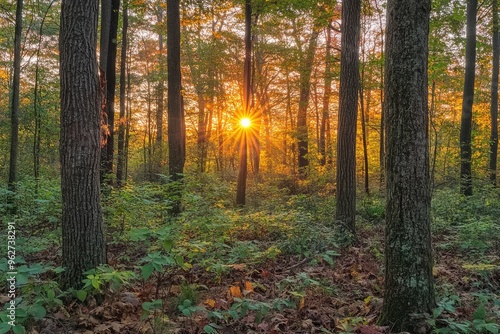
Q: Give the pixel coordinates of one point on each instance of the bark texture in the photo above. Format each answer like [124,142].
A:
[176,127]
[348,110]
[83,244]
[408,278]
[468,99]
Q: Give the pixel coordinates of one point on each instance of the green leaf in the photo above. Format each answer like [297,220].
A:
[38,311]
[210,330]
[480,313]
[492,328]
[81,295]
[4,327]
[51,294]
[21,279]
[147,270]
[18,329]
[167,245]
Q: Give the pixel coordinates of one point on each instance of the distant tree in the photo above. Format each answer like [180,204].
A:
[468,99]
[122,123]
[325,118]
[348,110]
[14,99]
[409,288]
[110,70]
[247,94]
[305,92]
[494,96]
[176,122]
[83,243]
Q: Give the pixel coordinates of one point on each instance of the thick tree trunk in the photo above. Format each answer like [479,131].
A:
[408,279]
[83,243]
[122,124]
[494,96]
[176,122]
[14,99]
[348,110]
[468,99]
[176,126]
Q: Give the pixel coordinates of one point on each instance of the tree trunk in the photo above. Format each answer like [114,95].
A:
[468,99]
[305,92]
[326,99]
[14,99]
[348,109]
[176,122]
[364,134]
[247,95]
[160,89]
[83,243]
[120,166]
[408,278]
[108,149]
[494,96]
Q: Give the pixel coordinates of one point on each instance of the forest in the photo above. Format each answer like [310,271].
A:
[249,166]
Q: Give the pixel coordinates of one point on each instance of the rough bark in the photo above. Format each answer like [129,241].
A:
[176,132]
[409,288]
[494,96]
[122,123]
[176,122]
[468,99]
[348,110]
[83,243]
[14,99]
[160,89]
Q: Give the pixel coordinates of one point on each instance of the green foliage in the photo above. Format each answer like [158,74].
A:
[443,322]
[104,279]
[37,295]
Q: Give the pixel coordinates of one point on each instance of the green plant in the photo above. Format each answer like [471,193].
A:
[104,279]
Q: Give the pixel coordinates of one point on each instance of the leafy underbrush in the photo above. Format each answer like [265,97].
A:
[275,263]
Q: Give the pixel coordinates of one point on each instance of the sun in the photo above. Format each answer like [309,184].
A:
[245,122]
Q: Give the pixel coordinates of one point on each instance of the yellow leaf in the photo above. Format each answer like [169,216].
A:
[235,291]
[248,286]
[209,302]
[301,304]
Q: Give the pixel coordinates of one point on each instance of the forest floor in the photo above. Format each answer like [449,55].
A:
[280,265]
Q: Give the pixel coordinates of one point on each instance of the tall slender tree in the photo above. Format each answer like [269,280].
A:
[468,99]
[108,151]
[176,122]
[83,243]
[494,96]
[247,94]
[325,117]
[348,110]
[14,98]
[409,288]
[122,123]
[305,93]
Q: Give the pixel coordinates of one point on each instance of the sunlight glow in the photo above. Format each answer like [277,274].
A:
[245,122]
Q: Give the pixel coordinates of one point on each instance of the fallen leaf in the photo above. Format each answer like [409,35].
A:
[235,291]
[209,302]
